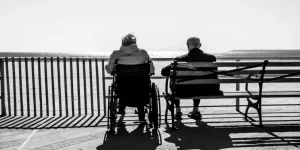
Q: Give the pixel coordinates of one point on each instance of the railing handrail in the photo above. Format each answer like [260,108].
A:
[96,55]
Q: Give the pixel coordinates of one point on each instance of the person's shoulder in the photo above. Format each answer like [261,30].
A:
[209,55]
[181,58]
[115,53]
[142,50]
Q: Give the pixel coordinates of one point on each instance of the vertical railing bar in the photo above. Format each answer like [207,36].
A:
[21,89]
[2,89]
[91,85]
[72,88]
[97,78]
[84,86]
[78,86]
[59,88]
[33,86]
[40,86]
[27,86]
[14,86]
[66,86]
[103,84]
[237,87]
[8,86]
[46,85]
[53,87]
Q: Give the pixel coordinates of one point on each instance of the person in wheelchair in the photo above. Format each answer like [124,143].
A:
[130,54]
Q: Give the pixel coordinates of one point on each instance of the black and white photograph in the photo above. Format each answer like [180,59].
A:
[149,74]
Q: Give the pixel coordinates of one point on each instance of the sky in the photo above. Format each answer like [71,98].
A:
[159,25]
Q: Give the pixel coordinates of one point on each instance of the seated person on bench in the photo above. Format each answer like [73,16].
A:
[194,55]
[130,54]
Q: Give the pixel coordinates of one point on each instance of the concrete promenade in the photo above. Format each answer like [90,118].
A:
[220,128]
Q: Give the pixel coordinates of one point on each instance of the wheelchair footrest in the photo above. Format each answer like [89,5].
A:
[145,122]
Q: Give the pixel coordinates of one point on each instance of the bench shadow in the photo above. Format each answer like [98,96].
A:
[200,136]
[137,139]
[203,136]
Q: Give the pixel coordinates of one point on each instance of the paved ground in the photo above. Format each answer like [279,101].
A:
[221,128]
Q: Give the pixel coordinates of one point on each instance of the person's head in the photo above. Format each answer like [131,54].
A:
[128,39]
[193,42]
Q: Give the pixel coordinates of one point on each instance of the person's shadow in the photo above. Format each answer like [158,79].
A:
[137,139]
[201,136]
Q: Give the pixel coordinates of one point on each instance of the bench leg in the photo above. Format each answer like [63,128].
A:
[257,107]
[237,104]
[166,113]
[259,112]
[259,115]
[247,109]
[172,114]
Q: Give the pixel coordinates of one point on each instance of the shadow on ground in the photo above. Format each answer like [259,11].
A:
[200,136]
[137,139]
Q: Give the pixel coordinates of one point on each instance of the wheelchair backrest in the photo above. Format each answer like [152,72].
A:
[133,82]
[133,70]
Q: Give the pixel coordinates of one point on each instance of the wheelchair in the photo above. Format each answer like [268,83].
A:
[132,85]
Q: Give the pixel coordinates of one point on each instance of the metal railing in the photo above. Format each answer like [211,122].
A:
[62,84]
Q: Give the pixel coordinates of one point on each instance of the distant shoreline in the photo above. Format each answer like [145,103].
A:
[160,54]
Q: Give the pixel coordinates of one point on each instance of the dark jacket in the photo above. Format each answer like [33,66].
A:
[196,55]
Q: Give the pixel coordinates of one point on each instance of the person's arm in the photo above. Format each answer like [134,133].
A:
[214,59]
[111,63]
[147,58]
[166,70]
[182,58]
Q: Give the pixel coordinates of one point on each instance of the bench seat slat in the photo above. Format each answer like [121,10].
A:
[245,72]
[213,81]
[231,80]
[244,94]
[279,64]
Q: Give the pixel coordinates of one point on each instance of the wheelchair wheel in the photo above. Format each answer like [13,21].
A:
[154,107]
[112,110]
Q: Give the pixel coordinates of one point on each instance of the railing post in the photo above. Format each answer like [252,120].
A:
[3,109]
[20,86]
[14,85]
[97,81]
[237,87]
[72,86]
[104,87]
[91,86]
[33,86]
[8,86]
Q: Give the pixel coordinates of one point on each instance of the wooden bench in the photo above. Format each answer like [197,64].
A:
[234,73]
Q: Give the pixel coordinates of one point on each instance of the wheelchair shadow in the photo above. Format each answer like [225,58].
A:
[201,136]
[136,139]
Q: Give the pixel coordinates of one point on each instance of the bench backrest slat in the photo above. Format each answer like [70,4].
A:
[236,64]
[283,64]
[217,64]
[283,68]
[243,72]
